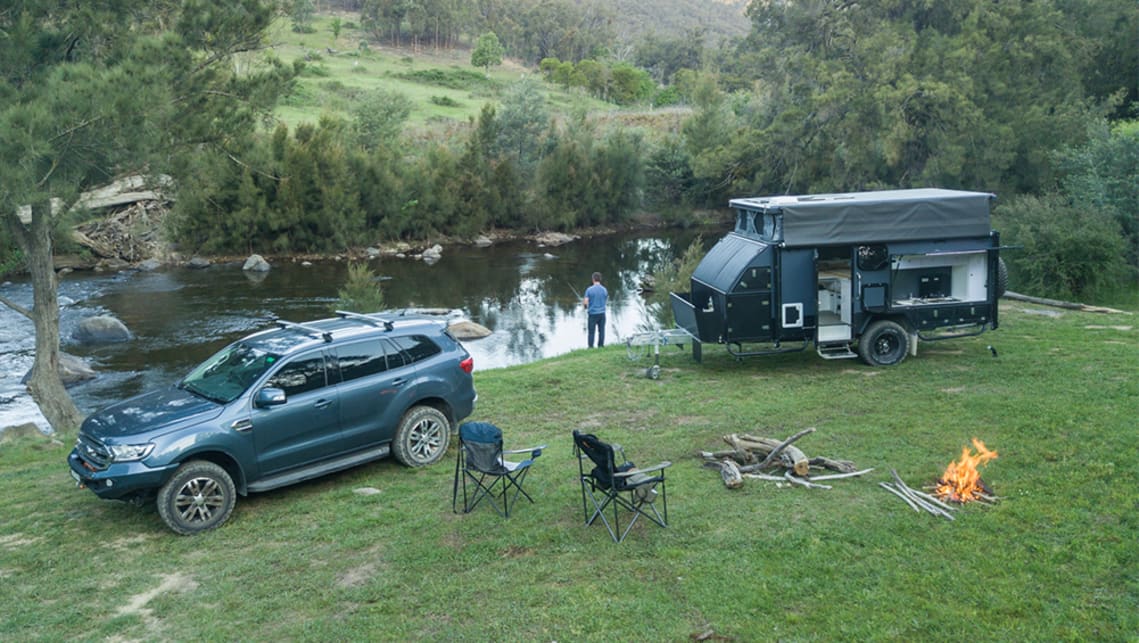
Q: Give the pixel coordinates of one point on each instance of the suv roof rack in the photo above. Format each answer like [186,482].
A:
[367,319]
[304,328]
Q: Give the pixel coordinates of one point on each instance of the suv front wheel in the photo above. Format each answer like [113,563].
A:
[199,496]
[422,436]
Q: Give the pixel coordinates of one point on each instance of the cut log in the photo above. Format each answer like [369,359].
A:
[730,474]
[842,466]
[795,460]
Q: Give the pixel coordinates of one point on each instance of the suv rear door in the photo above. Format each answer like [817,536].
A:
[374,386]
[306,428]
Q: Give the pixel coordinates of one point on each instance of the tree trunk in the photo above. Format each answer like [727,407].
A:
[44,384]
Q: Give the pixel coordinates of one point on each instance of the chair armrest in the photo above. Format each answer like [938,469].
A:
[632,472]
[535,451]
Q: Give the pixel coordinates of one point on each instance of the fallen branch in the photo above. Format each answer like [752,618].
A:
[836,476]
[1056,303]
[844,466]
[806,483]
[916,499]
[887,487]
[783,445]
[763,476]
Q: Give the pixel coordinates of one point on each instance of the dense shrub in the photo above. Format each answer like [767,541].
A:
[449,78]
[1067,250]
[361,292]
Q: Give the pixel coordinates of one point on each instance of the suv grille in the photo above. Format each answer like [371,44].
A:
[93,452]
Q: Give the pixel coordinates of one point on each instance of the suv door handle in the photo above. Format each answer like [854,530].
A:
[322,403]
[399,381]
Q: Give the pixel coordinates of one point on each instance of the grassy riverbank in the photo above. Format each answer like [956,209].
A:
[1055,559]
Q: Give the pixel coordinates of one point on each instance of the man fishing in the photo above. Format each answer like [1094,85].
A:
[595,300]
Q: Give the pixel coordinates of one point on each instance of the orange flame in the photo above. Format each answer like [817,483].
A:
[961,481]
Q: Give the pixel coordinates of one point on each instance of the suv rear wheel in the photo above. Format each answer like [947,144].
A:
[422,436]
[200,496]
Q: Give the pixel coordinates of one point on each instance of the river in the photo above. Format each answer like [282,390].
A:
[526,294]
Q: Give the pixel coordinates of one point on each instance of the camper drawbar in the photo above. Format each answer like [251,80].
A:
[857,275]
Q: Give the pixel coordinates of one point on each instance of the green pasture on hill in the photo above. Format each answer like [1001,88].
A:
[443,86]
[1054,559]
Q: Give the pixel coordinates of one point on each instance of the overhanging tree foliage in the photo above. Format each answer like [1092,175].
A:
[92,90]
[855,95]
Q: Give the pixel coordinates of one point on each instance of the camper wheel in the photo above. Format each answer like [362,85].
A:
[884,343]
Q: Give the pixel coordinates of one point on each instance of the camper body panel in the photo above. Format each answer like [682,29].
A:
[828,269]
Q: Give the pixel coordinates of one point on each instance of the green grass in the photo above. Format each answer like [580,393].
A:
[443,86]
[1056,559]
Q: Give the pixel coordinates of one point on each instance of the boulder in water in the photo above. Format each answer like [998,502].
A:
[464,329]
[255,263]
[102,329]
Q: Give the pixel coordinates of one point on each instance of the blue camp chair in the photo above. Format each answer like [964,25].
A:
[611,482]
[484,474]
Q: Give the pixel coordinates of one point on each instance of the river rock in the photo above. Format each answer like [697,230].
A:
[102,329]
[554,238]
[255,263]
[20,432]
[466,329]
[483,241]
[197,263]
[434,252]
[72,370]
[150,265]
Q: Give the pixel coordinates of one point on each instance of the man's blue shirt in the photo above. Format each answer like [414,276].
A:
[598,298]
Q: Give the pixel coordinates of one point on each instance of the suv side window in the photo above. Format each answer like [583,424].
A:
[300,375]
[417,347]
[361,359]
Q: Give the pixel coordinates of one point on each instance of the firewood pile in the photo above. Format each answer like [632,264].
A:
[763,458]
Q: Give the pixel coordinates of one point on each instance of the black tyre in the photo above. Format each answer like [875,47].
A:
[422,436]
[200,496]
[1002,278]
[884,343]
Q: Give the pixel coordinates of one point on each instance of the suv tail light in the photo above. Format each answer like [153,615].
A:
[468,365]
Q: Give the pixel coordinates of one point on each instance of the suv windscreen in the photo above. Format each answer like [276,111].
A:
[226,375]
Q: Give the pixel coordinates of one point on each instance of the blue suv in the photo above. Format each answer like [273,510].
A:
[277,407]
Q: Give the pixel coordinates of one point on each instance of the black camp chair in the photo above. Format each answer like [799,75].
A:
[609,481]
[483,473]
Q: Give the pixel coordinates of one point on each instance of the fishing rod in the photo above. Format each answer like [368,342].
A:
[575,292]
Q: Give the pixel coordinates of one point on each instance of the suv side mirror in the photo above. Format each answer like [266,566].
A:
[269,396]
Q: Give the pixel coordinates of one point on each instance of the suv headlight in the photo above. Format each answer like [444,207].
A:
[129,452]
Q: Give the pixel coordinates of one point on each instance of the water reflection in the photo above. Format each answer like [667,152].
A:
[527,295]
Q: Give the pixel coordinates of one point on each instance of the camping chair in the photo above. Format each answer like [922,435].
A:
[483,473]
[617,483]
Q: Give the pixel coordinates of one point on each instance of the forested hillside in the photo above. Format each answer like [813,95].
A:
[716,19]
[617,110]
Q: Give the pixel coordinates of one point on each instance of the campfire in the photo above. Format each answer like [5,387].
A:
[961,481]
